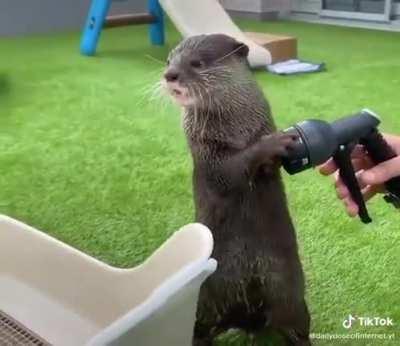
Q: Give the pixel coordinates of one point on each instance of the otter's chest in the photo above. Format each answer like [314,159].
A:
[220,203]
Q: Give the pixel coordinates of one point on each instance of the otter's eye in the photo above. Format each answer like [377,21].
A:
[168,62]
[195,63]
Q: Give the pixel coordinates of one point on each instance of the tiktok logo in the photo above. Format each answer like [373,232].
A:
[367,321]
[348,322]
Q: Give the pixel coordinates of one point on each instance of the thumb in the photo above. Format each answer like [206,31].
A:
[382,172]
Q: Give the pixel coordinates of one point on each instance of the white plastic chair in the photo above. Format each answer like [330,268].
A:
[65,297]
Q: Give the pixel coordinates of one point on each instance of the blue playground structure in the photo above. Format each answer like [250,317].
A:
[97,20]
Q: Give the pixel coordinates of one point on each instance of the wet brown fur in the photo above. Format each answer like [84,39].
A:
[239,195]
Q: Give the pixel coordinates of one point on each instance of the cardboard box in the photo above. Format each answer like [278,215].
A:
[281,47]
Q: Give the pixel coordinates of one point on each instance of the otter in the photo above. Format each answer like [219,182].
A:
[238,193]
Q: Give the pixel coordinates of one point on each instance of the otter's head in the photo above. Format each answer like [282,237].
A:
[202,69]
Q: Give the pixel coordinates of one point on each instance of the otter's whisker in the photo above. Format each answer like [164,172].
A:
[148,87]
[219,110]
[208,106]
[149,92]
[155,59]
[232,52]
[197,110]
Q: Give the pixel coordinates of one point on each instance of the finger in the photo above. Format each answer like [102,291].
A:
[370,191]
[382,172]
[328,167]
[362,163]
[361,183]
[393,141]
[338,181]
[341,189]
[342,192]
[351,207]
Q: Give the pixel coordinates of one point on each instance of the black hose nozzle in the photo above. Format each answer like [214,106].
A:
[319,140]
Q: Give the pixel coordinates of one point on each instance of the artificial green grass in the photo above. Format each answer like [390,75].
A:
[87,156]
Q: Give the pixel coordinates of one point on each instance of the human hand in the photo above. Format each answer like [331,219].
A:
[371,177]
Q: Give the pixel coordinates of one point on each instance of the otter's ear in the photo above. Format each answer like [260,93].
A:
[241,49]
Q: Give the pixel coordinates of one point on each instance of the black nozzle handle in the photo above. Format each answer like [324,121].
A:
[342,158]
[355,126]
[379,151]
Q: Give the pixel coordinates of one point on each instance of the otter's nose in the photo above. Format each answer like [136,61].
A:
[171,75]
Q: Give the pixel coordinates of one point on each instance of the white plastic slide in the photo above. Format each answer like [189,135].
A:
[53,294]
[194,17]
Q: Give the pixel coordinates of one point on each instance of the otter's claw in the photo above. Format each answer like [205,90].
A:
[271,148]
[274,146]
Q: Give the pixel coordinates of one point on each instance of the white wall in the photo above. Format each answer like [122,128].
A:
[275,5]
[257,6]
[314,6]
[308,6]
[396,8]
[242,5]
[22,17]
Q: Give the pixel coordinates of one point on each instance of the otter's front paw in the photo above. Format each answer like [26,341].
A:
[271,148]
